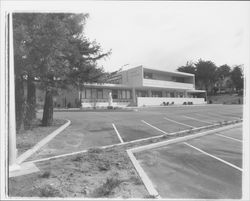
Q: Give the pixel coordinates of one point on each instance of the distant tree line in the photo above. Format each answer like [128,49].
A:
[215,79]
[51,52]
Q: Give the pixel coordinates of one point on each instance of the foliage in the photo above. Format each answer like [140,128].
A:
[237,77]
[212,78]
[107,188]
[51,50]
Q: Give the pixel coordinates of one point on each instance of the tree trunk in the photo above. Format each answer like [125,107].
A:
[19,96]
[30,114]
[48,109]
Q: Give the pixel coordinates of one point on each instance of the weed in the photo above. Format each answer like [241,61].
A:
[150,197]
[49,191]
[136,180]
[95,150]
[107,188]
[103,165]
[77,158]
[46,174]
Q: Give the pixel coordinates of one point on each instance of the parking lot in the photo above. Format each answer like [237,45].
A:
[208,167]
[97,128]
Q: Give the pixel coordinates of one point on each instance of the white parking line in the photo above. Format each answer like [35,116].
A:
[219,159]
[202,116]
[179,122]
[118,134]
[197,120]
[228,137]
[154,127]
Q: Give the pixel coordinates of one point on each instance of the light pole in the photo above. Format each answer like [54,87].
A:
[11,97]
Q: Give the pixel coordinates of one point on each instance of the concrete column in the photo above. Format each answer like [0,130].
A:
[133,95]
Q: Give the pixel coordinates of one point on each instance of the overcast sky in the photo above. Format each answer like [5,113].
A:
[165,35]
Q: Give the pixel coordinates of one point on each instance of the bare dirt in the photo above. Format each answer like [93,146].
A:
[27,139]
[96,174]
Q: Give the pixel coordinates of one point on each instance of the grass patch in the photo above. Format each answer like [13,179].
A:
[106,189]
[49,191]
[46,174]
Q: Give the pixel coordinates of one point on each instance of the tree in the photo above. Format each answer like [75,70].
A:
[205,74]
[222,73]
[237,78]
[54,46]
[188,68]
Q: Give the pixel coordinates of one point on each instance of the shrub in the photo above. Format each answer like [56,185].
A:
[107,188]
[49,191]
[46,174]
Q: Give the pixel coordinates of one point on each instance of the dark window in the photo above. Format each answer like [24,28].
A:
[156,93]
[148,75]
[115,94]
[99,93]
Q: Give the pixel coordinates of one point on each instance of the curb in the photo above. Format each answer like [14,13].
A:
[144,177]
[40,144]
[184,138]
[129,142]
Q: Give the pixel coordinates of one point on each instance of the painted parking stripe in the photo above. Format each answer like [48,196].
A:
[228,137]
[179,122]
[118,134]
[202,116]
[219,159]
[153,127]
[223,115]
[197,119]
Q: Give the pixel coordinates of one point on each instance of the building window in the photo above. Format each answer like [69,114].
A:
[148,75]
[99,94]
[115,94]
[123,94]
[94,93]
[156,93]
[83,94]
[128,94]
[119,94]
[141,93]
[88,93]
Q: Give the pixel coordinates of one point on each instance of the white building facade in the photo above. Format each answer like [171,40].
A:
[141,86]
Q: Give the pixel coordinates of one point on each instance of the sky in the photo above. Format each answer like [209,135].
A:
[165,35]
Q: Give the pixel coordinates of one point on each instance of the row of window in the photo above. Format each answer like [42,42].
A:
[125,94]
[148,75]
[104,93]
[143,93]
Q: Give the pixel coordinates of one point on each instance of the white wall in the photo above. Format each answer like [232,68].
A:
[104,104]
[154,101]
[132,77]
[167,84]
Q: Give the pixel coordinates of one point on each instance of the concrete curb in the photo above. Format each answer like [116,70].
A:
[147,182]
[184,138]
[40,144]
[125,143]
[144,177]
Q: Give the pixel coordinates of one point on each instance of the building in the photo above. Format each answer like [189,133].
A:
[141,86]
